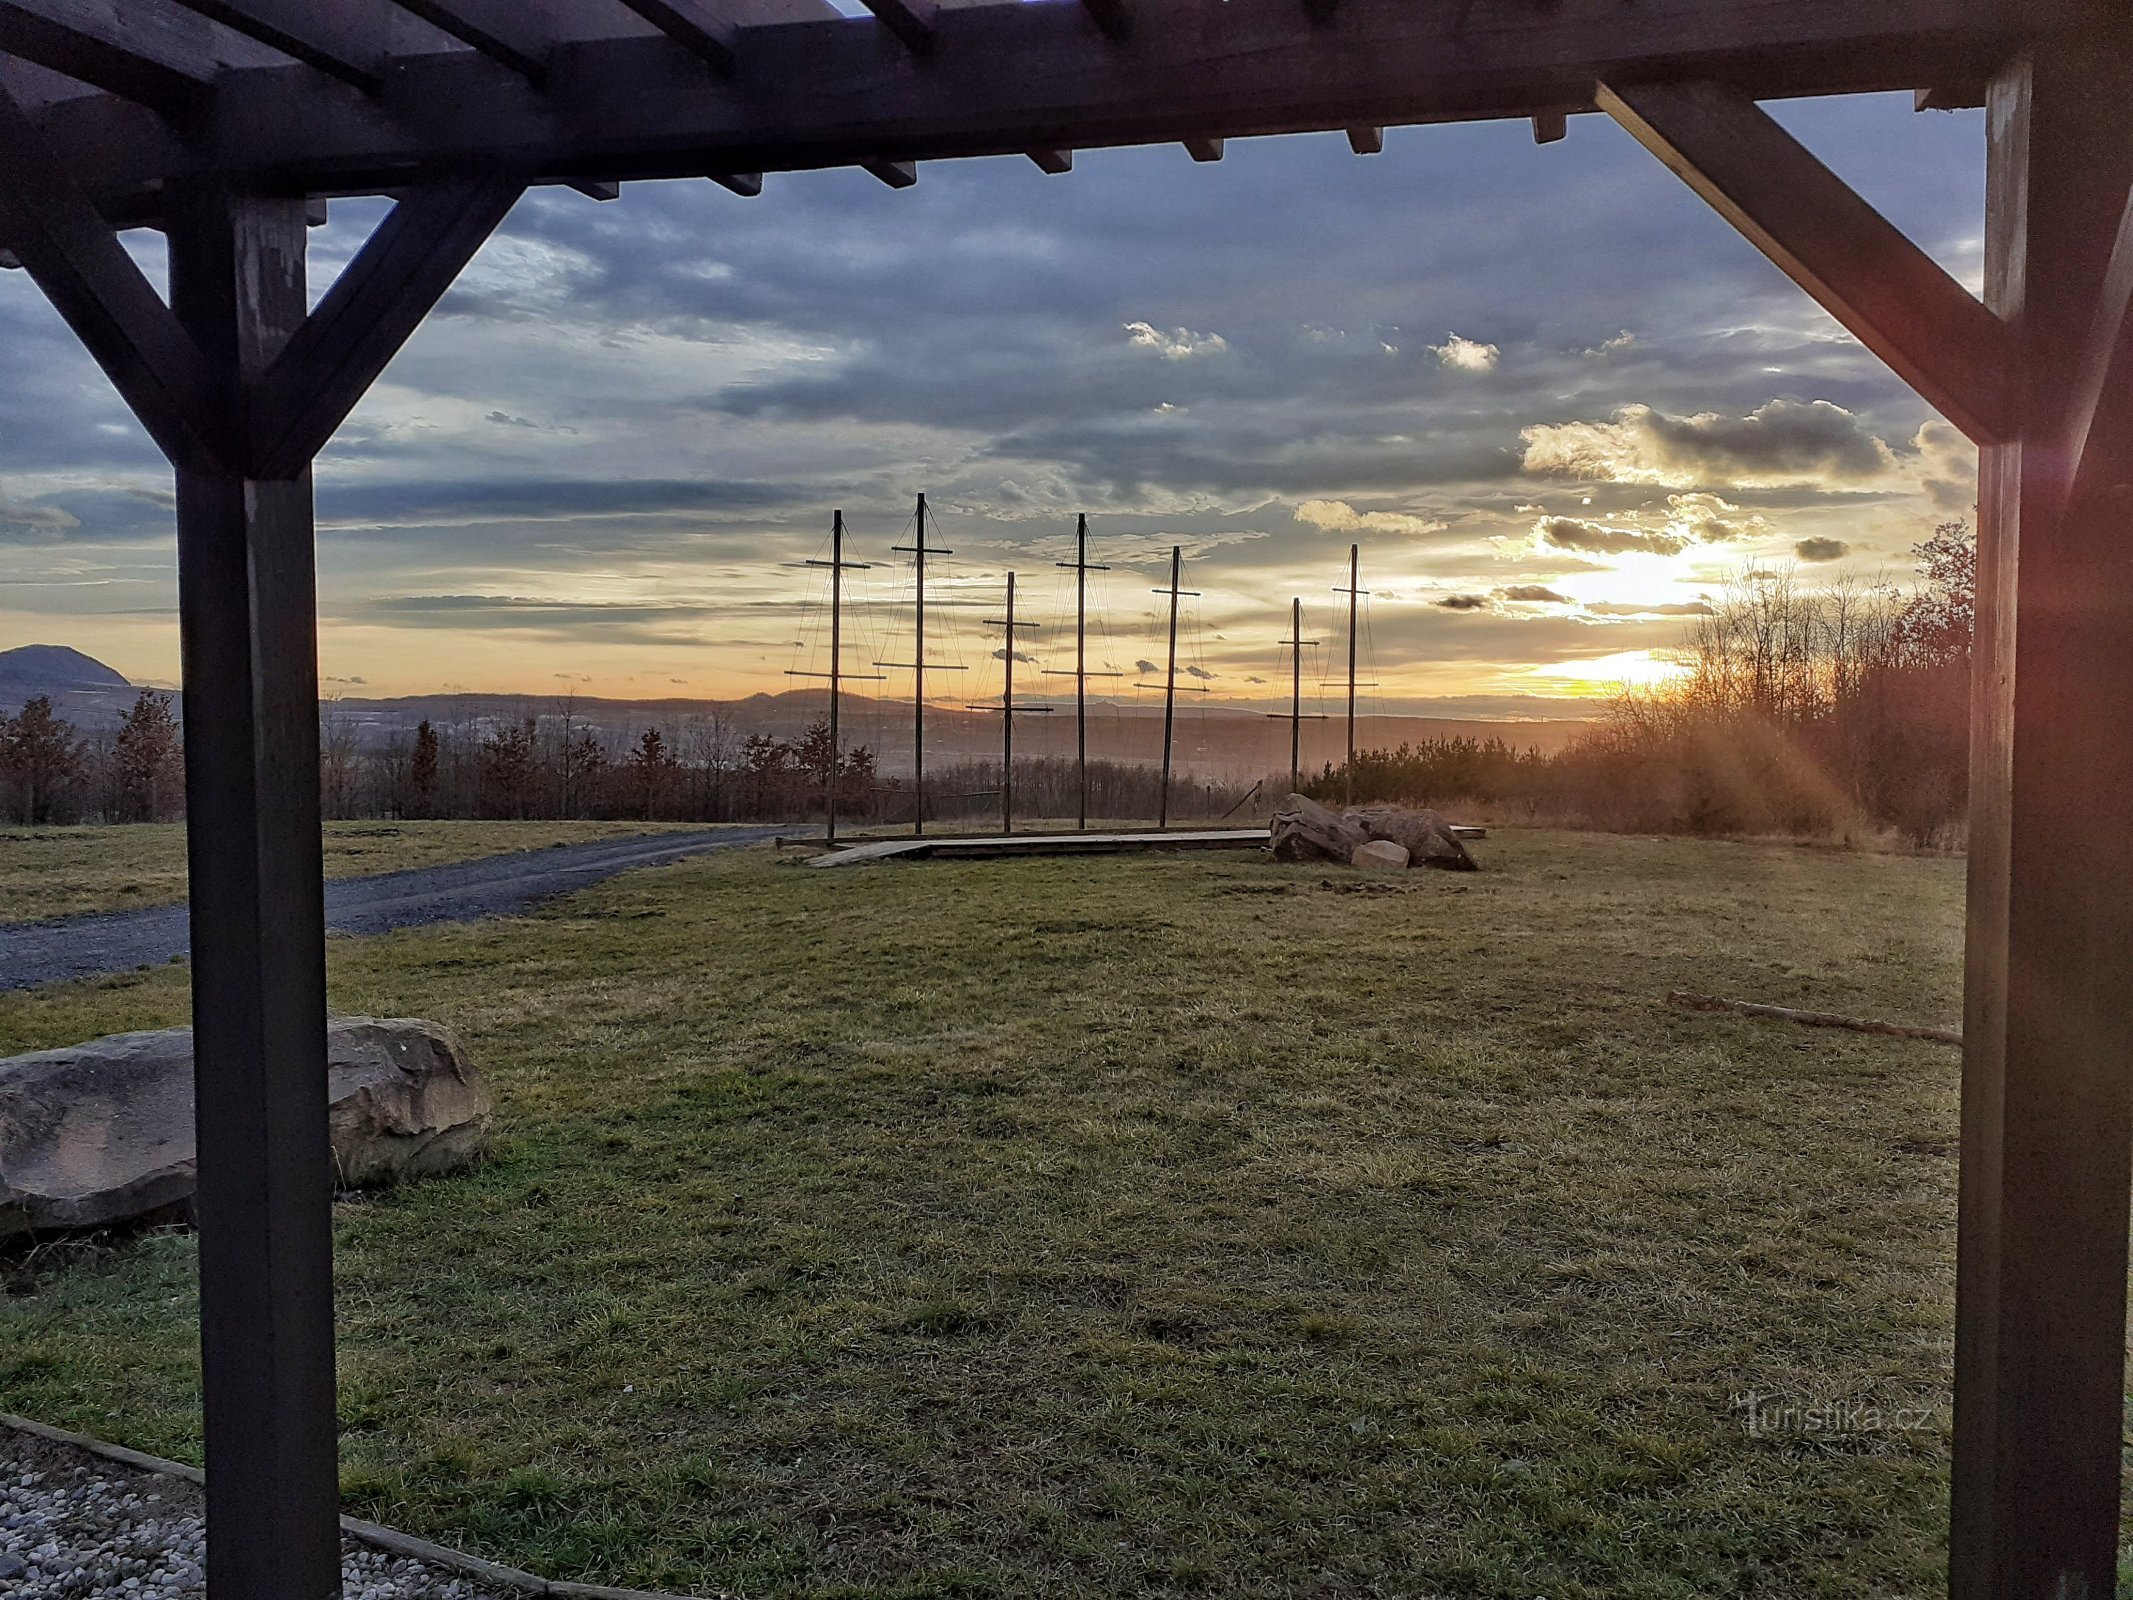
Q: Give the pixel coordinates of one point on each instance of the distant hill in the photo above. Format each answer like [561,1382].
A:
[81,688]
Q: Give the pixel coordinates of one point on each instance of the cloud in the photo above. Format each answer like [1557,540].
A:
[1338,516]
[1199,672]
[1467,355]
[1574,533]
[1821,549]
[1708,519]
[1180,344]
[34,520]
[1464,602]
[1021,656]
[1656,608]
[1146,667]
[1625,340]
[1782,443]
[1533,594]
[1946,464]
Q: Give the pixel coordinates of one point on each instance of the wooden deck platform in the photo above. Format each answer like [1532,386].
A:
[995,845]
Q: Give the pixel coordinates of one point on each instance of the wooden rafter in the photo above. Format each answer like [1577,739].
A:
[912,21]
[331,361]
[79,263]
[323,36]
[498,29]
[1053,161]
[896,174]
[148,59]
[1111,16]
[1187,69]
[699,28]
[1898,301]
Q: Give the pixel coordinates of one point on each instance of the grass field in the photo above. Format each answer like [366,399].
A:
[57,872]
[1161,1226]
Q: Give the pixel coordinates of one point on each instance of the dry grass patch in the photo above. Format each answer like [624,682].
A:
[1057,1228]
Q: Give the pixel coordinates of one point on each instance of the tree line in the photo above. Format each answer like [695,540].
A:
[1796,711]
[48,773]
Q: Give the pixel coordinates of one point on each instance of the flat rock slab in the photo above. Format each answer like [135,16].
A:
[102,1133]
[1382,854]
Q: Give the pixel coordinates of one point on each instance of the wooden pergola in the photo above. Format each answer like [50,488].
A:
[226,124]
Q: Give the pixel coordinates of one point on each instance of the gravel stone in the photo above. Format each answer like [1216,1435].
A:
[77,1527]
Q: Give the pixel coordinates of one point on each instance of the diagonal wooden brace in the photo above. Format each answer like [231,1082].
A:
[1897,300]
[331,361]
[58,235]
[2099,437]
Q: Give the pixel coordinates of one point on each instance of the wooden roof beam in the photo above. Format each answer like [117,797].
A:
[1053,161]
[745,184]
[1897,300]
[1366,141]
[1549,127]
[153,60]
[912,21]
[498,29]
[1204,149]
[697,27]
[639,108]
[321,36]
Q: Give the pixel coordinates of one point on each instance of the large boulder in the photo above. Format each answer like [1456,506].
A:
[102,1132]
[1304,830]
[1427,837]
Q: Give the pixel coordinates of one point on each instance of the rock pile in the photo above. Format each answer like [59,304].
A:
[1304,830]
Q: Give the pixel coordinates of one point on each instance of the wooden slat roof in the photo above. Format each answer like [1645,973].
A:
[561,90]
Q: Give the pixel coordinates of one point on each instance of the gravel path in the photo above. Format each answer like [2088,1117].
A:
[83,947]
[75,1527]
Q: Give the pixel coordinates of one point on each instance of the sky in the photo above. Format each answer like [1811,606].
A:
[1555,399]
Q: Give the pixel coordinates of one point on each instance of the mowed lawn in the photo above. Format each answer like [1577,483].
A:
[61,872]
[1161,1226]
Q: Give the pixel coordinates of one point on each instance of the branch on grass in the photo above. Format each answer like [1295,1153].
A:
[1812,1019]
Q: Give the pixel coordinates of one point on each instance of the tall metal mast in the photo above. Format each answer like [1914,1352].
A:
[1354,592]
[1170,678]
[838,566]
[1081,674]
[1295,643]
[1007,708]
[918,552]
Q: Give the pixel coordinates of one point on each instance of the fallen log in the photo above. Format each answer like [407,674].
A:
[1811,1019]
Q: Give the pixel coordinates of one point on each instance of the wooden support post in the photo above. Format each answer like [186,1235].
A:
[1082,567]
[1294,644]
[1355,593]
[2047,1097]
[918,551]
[918,679]
[247,613]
